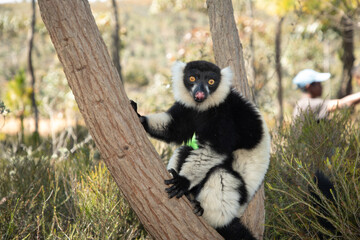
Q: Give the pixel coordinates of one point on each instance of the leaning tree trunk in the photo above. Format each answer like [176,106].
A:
[278,68]
[114,126]
[347,34]
[31,68]
[228,52]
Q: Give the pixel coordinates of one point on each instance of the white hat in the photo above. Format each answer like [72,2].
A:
[308,76]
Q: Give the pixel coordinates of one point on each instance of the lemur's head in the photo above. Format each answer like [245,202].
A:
[200,84]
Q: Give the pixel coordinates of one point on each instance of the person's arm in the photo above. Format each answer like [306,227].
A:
[347,101]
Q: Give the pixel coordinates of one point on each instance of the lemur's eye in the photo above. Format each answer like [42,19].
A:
[192,79]
[211,81]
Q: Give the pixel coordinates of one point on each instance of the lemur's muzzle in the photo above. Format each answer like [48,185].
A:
[200,93]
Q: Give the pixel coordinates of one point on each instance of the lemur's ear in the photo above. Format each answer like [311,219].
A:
[177,70]
[227,75]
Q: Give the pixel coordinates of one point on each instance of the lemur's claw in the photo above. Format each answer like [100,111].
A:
[198,210]
[134,106]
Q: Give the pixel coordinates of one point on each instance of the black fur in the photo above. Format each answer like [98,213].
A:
[326,187]
[225,128]
[235,231]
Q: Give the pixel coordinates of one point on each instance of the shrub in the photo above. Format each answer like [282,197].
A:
[72,198]
[299,150]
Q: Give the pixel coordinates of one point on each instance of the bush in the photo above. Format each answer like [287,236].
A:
[299,150]
[73,198]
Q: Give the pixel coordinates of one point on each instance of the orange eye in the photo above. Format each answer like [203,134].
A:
[192,79]
[211,81]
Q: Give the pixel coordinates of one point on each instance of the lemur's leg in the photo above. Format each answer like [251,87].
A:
[222,193]
[199,162]
[189,168]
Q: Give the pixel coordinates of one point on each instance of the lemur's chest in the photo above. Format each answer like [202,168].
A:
[209,125]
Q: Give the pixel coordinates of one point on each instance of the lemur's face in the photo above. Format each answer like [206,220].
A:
[201,79]
[200,84]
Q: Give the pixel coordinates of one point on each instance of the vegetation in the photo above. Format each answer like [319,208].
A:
[44,196]
[299,150]
[58,187]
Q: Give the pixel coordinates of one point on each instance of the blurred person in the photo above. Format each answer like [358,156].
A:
[309,82]
[356,74]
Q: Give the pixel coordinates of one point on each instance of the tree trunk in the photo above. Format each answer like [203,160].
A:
[252,49]
[278,68]
[226,42]
[228,52]
[116,39]
[114,126]
[347,34]
[31,68]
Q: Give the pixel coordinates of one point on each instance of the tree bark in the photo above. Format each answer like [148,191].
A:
[114,126]
[226,42]
[228,52]
[278,68]
[31,68]
[116,39]
[347,34]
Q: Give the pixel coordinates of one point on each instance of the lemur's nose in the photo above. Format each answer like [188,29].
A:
[199,96]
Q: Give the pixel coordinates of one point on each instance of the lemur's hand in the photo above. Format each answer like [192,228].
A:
[180,185]
[134,106]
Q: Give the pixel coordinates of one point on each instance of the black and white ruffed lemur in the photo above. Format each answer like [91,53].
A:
[222,175]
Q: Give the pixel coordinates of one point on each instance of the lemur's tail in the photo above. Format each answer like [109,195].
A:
[235,231]
[326,187]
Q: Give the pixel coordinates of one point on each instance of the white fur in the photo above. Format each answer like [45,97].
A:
[253,164]
[199,163]
[182,95]
[173,161]
[158,121]
[220,198]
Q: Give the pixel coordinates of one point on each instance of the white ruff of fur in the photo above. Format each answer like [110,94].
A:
[182,95]
[220,198]
[252,165]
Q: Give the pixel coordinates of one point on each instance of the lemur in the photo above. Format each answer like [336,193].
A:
[222,175]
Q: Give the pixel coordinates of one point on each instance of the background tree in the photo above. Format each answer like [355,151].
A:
[18,97]
[31,72]
[280,8]
[338,16]
[114,126]
[228,52]
[116,45]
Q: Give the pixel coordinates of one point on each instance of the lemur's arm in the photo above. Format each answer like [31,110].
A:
[166,126]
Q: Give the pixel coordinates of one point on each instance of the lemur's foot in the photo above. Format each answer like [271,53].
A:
[180,185]
[197,209]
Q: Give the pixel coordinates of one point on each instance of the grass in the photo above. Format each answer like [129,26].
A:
[70,198]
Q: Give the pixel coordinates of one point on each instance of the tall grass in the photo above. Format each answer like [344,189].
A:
[64,198]
[299,150]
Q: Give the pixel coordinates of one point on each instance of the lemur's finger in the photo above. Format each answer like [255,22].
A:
[170,181]
[170,189]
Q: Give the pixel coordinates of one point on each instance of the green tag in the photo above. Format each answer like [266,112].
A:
[193,143]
